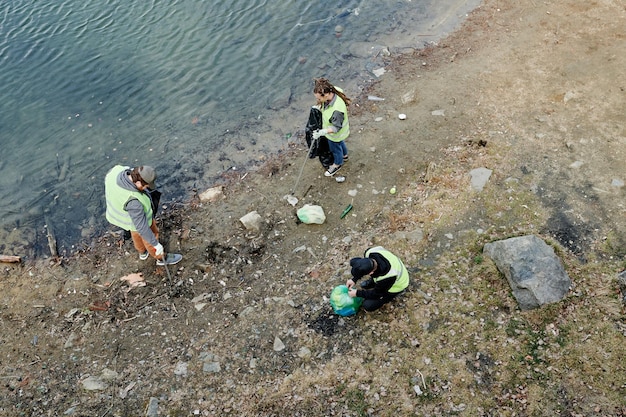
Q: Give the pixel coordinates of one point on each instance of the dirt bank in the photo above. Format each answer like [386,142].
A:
[535,92]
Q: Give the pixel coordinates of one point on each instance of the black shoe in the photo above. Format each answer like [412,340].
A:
[367,284]
[332,170]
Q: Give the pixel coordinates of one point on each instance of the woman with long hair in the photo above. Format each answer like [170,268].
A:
[335,125]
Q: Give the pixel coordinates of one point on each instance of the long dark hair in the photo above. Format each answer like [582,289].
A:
[323,86]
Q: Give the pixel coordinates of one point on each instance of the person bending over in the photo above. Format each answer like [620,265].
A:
[129,206]
[387,277]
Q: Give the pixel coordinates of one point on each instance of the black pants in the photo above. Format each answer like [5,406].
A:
[375,304]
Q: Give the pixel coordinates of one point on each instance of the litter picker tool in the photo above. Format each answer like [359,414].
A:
[307,156]
[167,270]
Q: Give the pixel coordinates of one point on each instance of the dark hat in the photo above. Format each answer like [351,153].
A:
[148,175]
[361,267]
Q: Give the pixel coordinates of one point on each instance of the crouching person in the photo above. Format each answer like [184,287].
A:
[386,277]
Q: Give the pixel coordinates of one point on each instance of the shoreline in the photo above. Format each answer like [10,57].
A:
[288,122]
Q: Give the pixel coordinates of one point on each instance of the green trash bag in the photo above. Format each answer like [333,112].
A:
[342,303]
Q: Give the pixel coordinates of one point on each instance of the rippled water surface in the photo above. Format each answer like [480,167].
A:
[187,86]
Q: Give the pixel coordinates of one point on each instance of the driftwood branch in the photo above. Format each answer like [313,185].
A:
[10,258]
[52,240]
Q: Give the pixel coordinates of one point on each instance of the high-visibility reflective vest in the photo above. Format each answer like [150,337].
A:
[397,269]
[327,112]
[117,197]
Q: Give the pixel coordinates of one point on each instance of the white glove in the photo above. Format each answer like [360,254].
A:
[319,133]
[159,249]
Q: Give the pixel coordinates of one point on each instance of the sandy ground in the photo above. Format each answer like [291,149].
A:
[533,91]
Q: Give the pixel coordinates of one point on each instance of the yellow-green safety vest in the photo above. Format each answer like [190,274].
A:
[117,197]
[397,269]
[327,112]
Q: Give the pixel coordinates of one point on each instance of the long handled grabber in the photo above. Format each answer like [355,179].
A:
[167,270]
[169,277]
[307,156]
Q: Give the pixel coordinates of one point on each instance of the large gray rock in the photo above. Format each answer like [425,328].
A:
[533,270]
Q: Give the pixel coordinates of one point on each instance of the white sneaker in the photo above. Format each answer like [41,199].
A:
[171,259]
[144,256]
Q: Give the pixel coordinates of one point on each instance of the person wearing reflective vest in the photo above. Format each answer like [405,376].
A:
[129,206]
[333,104]
[388,277]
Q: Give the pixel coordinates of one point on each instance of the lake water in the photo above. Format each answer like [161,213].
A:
[191,87]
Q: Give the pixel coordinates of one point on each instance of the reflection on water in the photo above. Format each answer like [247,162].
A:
[187,86]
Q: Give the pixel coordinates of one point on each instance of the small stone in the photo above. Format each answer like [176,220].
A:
[153,407]
[252,221]
[479,177]
[304,352]
[180,369]
[211,367]
[93,383]
[378,72]
[278,344]
[109,375]
[69,343]
[211,194]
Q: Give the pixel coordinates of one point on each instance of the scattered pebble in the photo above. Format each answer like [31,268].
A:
[304,352]
[180,369]
[153,407]
[93,383]
[278,344]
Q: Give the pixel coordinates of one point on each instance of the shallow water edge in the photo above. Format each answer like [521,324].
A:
[243,145]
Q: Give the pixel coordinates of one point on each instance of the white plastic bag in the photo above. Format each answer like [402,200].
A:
[310,214]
